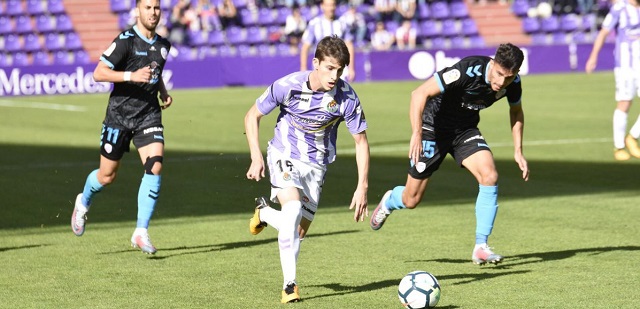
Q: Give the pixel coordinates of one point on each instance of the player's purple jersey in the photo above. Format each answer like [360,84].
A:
[307,126]
[625,19]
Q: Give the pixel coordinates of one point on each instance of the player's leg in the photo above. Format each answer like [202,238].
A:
[624,94]
[289,241]
[482,166]
[151,156]
[631,140]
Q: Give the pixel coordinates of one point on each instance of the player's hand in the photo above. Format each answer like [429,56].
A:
[166,100]
[359,203]
[256,170]
[415,148]
[522,163]
[590,65]
[142,75]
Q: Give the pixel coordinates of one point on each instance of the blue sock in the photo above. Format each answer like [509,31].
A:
[486,210]
[147,198]
[395,199]
[91,187]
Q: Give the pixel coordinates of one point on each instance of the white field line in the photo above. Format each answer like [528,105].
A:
[405,146]
[374,150]
[43,105]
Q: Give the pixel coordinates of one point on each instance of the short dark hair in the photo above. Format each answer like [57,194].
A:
[509,57]
[333,46]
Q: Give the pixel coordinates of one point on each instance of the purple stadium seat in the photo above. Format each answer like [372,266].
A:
[226,51]
[35,7]
[539,39]
[41,58]
[530,25]
[423,11]
[589,22]
[274,33]
[4,60]
[44,24]
[469,27]
[391,26]
[429,28]
[20,59]
[559,38]
[72,41]
[240,3]
[23,24]
[308,12]
[341,9]
[449,27]
[266,17]
[439,42]
[458,42]
[520,7]
[61,57]
[81,57]
[244,50]
[123,20]
[248,18]
[281,16]
[12,43]
[196,38]
[476,41]
[5,25]
[264,50]
[216,38]
[31,42]
[55,6]
[440,10]
[63,23]
[569,22]
[14,7]
[185,53]
[283,50]
[550,24]
[236,35]
[256,35]
[2,13]
[52,42]
[458,9]
[119,6]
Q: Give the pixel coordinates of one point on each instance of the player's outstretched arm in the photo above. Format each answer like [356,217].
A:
[103,73]
[252,128]
[592,62]
[359,200]
[419,98]
[516,115]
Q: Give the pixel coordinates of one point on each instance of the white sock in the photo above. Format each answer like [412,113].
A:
[271,216]
[619,128]
[635,130]
[289,239]
[139,231]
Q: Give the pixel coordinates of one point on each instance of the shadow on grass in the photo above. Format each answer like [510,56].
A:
[540,257]
[3,249]
[190,250]
[40,184]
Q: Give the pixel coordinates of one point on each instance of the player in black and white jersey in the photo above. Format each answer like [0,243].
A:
[133,63]
[444,115]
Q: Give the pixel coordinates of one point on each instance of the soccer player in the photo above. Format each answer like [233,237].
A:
[312,104]
[133,63]
[444,115]
[624,18]
[327,24]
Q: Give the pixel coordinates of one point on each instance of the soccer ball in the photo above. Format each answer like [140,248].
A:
[419,289]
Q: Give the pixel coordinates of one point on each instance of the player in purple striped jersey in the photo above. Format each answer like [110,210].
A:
[444,115]
[311,106]
[624,18]
[327,24]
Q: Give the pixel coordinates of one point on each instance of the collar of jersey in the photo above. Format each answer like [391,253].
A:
[155,36]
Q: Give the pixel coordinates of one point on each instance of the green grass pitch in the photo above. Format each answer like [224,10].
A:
[570,235]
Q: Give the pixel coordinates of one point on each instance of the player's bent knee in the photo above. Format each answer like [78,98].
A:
[150,163]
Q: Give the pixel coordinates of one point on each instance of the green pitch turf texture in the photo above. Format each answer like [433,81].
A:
[571,235]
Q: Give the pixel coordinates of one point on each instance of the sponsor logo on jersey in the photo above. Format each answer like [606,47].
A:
[451,76]
[483,145]
[163,53]
[141,53]
[152,129]
[110,50]
[309,210]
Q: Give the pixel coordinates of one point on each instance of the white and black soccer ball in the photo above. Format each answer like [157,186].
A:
[419,289]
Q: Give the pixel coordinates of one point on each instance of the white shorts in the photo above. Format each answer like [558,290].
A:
[285,172]
[627,83]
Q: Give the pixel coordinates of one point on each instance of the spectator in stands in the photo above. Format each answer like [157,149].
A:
[294,28]
[405,9]
[295,3]
[355,23]
[228,14]
[624,19]
[208,16]
[181,18]
[406,35]
[381,39]
[385,9]
[324,25]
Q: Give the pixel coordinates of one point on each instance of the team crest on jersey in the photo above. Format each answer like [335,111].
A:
[451,76]
[110,50]
[163,53]
[332,106]
[286,176]
[500,93]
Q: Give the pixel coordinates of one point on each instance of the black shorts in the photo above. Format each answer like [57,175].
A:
[114,142]
[436,146]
